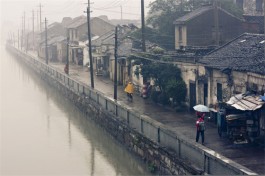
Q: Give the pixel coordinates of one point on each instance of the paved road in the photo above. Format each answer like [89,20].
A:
[252,157]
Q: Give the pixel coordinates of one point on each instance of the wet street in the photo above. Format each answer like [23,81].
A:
[44,134]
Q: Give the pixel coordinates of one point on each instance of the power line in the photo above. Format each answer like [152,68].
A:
[117,12]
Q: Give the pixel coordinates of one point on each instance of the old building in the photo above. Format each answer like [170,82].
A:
[253,24]
[253,15]
[199,27]
[61,45]
[53,30]
[236,67]
[55,47]
[77,32]
[103,53]
[251,7]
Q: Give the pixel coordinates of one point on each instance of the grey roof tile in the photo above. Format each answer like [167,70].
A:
[78,21]
[245,53]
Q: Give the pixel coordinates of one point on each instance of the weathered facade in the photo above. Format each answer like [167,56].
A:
[104,58]
[77,32]
[55,48]
[236,67]
[198,28]
[61,50]
[53,30]
[251,7]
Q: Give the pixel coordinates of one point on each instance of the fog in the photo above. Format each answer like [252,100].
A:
[54,10]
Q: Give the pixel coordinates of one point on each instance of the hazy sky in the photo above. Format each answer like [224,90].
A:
[55,10]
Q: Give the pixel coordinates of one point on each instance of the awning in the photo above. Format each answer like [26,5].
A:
[246,102]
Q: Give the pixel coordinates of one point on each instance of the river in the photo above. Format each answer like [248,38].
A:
[42,133]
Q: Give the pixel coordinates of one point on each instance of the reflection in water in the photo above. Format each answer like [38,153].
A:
[44,134]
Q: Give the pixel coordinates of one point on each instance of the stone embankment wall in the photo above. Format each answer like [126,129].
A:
[165,151]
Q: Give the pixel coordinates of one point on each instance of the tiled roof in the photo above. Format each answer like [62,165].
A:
[105,39]
[197,13]
[193,14]
[245,53]
[78,21]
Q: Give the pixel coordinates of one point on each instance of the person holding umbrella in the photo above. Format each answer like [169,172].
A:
[200,126]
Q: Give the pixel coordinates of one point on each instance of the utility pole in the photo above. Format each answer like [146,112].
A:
[115,64]
[14,40]
[24,30]
[40,19]
[181,6]
[89,45]
[21,39]
[27,47]
[37,22]
[46,43]
[143,26]
[121,14]
[33,30]
[67,54]
[216,23]
[18,38]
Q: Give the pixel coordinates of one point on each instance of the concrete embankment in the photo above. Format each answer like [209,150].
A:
[165,151]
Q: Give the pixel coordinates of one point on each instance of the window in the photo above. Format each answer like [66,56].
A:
[75,33]
[180,33]
[259,5]
[219,92]
[240,3]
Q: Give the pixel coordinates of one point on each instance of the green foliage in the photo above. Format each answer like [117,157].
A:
[177,90]
[158,50]
[154,95]
[153,36]
[152,167]
[168,78]
[231,7]
[163,98]
[160,73]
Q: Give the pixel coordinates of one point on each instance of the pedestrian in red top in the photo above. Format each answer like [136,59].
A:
[200,126]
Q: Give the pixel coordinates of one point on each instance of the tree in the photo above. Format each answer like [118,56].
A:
[163,13]
[168,78]
[161,73]
[177,90]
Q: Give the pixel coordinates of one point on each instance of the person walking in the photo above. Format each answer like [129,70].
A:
[129,89]
[200,126]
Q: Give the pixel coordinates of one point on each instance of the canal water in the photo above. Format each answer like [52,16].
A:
[44,134]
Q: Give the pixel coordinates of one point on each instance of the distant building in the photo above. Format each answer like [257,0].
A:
[77,32]
[251,7]
[53,30]
[56,49]
[197,28]
[103,54]
[253,24]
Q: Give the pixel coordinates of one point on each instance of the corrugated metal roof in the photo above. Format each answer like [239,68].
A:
[246,102]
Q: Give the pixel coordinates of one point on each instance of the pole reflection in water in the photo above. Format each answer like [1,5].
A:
[44,134]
